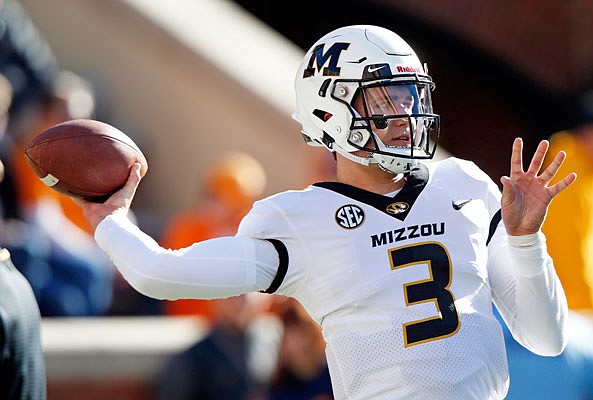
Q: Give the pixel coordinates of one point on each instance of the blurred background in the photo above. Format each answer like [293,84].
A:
[193,80]
[189,79]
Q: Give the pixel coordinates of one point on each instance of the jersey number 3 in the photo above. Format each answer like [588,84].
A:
[435,289]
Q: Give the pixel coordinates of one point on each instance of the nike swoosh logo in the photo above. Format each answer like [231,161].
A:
[458,204]
[370,70]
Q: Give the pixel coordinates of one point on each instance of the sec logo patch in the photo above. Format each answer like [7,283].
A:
[349,216]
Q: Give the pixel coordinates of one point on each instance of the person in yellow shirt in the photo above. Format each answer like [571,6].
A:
[569,233]
[569,223]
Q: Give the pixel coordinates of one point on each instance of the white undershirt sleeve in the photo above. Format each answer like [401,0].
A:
[528,293]
[215,268]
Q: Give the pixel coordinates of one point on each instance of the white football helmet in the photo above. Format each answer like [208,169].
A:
[354,85]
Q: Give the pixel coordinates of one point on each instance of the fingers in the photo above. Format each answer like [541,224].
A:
[538,158]
[536,162]
[563,184]
[135,172]
[133,181]
[552,169]
[508,195]
[517,157]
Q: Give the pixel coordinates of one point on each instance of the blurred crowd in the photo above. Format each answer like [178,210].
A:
[258,347]
[45,233]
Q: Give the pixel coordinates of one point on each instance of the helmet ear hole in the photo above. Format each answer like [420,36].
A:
[328,141]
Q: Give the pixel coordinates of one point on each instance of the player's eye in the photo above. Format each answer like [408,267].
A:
[383,108]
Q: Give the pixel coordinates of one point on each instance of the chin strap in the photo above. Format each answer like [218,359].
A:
[360,160]
[366,161]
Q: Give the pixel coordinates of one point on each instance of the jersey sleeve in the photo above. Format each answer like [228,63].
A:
[524,284]
[268,220]
[528,293]
[215,268]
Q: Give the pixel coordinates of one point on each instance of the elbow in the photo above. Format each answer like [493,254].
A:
[559,349]
[552,347]
[550,344]
[549,331]
[149,286]
[556,345]
[148,277]
[556,339]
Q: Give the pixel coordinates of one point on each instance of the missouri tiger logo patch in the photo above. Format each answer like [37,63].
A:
[397,208]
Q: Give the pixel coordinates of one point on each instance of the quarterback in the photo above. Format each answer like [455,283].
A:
[399,260]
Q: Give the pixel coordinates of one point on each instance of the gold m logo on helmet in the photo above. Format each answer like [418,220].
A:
[397,208]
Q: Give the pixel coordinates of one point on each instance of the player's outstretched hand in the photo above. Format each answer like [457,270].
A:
[119,202]
[526,194]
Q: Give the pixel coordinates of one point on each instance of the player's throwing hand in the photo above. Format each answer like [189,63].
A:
[119,202]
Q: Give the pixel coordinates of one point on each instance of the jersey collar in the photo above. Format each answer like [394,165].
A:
[397,206]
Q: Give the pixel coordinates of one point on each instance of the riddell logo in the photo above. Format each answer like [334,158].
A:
[401,68]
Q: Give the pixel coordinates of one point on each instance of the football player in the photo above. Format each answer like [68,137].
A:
[400,260]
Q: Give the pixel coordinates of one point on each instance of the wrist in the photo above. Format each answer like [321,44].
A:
[526,241]
[95,218]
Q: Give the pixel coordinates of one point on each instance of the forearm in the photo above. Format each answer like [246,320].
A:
[214,268]
[530,297]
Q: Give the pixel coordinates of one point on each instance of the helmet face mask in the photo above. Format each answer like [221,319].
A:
[362,92]
[397,121]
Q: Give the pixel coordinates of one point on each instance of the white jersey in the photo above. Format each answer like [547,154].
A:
[402,286]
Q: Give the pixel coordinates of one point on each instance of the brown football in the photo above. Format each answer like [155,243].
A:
[84,158]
